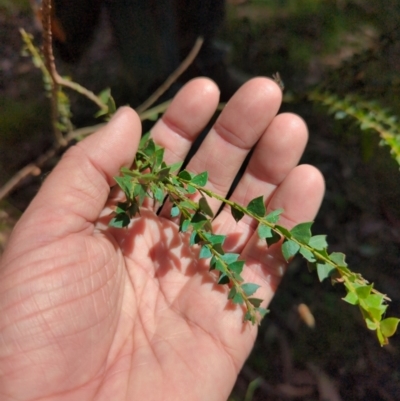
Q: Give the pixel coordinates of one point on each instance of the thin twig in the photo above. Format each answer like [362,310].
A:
[31,168]
[49,62]
[173,77]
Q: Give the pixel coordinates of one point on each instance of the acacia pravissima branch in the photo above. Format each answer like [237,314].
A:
[151,178]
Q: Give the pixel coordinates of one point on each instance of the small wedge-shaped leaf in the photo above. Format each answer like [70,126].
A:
[284,231]
[274,239]
[230,257]
[198,220]
[338,258]
[302,232]
[205,207]
[262,312]
[374,300]
[236,297]
[163,173]
[205,252]
[159,157]
[194,238]
[215,238]
[200,179]
[351,298]
[249,288]
[273,217]
[264,231]
[150,148]
[158,194]
[289,249]
[257,207]
[175,211]
[255,301]
[389,326]
[185,175]
[236,267]
[363,291]
[191,189]
[324,271]
[143,140]
[120,220]
[184,225]
[125,183]
[223,279]
[308,255]
[318,242]
[236,214]
[175,167]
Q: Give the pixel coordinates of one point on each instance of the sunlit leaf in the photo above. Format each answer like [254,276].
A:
[389,326]
[249,288]
[205,252]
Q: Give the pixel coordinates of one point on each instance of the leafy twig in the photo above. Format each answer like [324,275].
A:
[152,178]
[173,77]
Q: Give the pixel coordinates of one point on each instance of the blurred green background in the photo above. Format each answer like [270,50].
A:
[345,47]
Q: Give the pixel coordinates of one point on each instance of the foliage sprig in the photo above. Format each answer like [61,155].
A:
[369,115]
[151,178]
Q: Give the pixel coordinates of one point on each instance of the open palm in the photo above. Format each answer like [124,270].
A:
[89,312]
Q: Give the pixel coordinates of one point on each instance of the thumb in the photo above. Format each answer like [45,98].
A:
[75,192]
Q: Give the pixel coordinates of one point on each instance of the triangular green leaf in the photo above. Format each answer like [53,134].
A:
[230,257]
[200,179]
[308,255]
[363,291]
[262,312]
[249,288]
[289,249]
[351,298]
[389,326]
[273,239]
[324,271]
[223,279]
[120,220]
[302,232]
[338,258]
[236,267]
[205,207]
[175,167]
[273,217]
[190,189]
[318,242]
[237,214]
[257,207]
[205,252]
[125,183]
[185,175]
[264,231]
[255,301]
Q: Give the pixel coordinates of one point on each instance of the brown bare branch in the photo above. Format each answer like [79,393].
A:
[173,77]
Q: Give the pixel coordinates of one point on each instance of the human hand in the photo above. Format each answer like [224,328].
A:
[89,312]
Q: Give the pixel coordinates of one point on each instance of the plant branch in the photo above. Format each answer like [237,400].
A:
[173,77]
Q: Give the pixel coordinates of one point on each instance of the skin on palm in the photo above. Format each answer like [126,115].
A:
[95,313]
